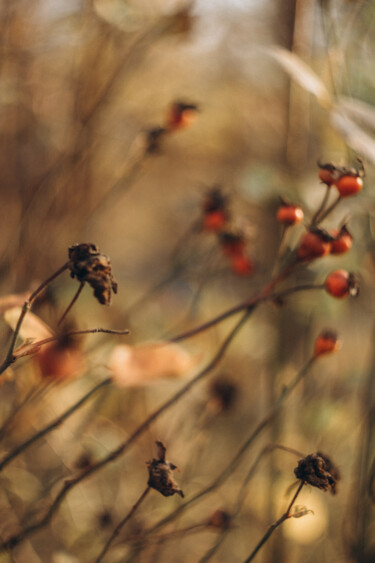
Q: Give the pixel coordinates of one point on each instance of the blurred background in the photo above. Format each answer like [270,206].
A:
[278,85]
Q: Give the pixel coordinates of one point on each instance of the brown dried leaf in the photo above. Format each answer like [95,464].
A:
[144,363]
[32,327]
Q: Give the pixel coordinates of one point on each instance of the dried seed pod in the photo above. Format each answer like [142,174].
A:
[341,283]
[87,264]
[181,115]
[314,244]
[160,473]
[319,471]
[215,210]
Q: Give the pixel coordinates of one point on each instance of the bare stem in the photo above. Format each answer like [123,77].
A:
[329,209]
[232,465]
[121,524]
[272,528]
[55,424]
[80,332]
[315,218]
[18,538]
[9,359]
[77,294]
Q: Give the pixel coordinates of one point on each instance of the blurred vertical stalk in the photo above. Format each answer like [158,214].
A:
[361,507]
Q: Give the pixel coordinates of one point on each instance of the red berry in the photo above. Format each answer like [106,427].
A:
[215,220]
[341,283]
[181,115]
[326,174]
[289,214]
[232,244]
[241,265]
[326,343]
[348,185]
[314,244]
[342,242]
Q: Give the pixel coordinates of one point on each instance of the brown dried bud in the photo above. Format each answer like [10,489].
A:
[160,474]
[224,394]
[87,264]
[154,139]
[318,470]
[220,519]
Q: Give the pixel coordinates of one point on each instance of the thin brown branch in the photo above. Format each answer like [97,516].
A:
[18,538]
[55,424]
[272,528]
[77,294]
[9,359]
[121,524]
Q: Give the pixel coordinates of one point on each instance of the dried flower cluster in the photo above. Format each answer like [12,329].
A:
[319,471]
[87,264]
[160,473]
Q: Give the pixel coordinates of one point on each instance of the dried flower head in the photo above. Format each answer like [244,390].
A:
[87,264]
[318,470]
[160,473]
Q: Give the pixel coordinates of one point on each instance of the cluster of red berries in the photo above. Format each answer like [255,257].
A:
[216,219]
[348,181]
[317,242]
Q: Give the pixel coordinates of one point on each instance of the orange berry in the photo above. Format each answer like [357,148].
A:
[327,174]
[241,265]
[326,343]
[342,242]
[348,185]
[232,244]
[181,115]
[341,283]
[215,220]
[314,244]
[289,214]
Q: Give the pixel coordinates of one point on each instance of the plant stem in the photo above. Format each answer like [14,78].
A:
[9,359]
[18,538]
[55,424]
[77,294]
[315,218]
[121,524]
[272,528]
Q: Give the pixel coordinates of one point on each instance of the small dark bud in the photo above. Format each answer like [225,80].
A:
[154,138]
[160,474]
[224,394]
[220,519]
[318,470]
[87,264]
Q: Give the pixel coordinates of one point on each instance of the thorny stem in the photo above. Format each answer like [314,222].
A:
[16,539]
[55,424]
[121,524]
[77,294]
[9,359]
[272,528]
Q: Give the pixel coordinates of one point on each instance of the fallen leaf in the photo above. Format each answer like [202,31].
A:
[145,363]
[32,326]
